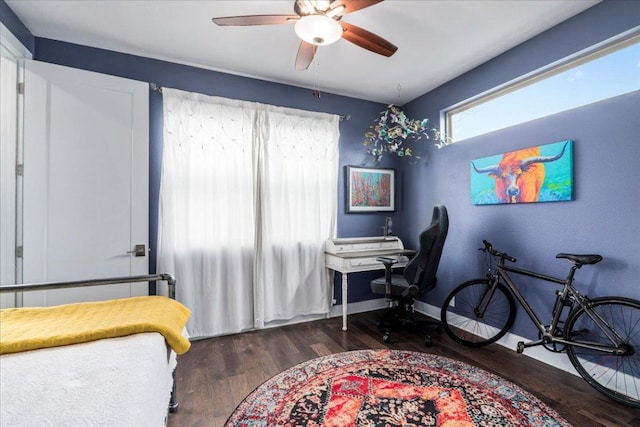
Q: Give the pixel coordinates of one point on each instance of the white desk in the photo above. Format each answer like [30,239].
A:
[357,254]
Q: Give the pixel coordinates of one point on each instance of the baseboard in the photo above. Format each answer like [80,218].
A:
[359,307]
[335,311]
[510,340]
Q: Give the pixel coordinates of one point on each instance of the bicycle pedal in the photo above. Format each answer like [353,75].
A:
[522,345]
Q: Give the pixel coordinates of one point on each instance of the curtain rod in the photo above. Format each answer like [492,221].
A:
[157,88]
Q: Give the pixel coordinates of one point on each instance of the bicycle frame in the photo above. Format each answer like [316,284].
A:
[568,291]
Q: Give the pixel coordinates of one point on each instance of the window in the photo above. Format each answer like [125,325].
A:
[601,72]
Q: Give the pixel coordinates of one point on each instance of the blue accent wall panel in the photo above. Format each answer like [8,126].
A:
[602,218]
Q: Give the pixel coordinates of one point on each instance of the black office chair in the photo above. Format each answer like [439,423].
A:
[418,277]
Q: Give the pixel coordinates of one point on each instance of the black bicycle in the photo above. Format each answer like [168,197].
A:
[601,336]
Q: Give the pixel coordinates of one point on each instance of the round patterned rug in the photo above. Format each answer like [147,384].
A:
[390,388]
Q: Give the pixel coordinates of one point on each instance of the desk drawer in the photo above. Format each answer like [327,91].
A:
[365,262]
[362,263]
[373,263]
[373,246]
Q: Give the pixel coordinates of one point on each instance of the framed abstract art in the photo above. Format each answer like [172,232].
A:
[370,189]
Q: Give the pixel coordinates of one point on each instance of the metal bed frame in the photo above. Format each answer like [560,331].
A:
[171,282]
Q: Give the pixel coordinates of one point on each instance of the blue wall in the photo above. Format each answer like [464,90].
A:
[603,218]
[17,28]
[188,78]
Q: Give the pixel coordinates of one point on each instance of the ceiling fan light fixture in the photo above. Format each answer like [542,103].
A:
[318,29]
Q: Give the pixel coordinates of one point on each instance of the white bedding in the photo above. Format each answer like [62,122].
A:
[112,382]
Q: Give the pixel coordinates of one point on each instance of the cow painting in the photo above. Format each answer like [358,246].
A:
[519,176]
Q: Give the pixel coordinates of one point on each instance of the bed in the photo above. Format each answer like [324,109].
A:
[117,369]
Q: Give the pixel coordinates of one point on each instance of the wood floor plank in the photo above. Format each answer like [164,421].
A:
[217,373]
[224,400]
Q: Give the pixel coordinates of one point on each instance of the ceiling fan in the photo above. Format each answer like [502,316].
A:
[319,23]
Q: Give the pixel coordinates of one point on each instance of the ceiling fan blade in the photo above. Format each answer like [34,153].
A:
[349,6]
[367,40]
[306,52]
[256,20]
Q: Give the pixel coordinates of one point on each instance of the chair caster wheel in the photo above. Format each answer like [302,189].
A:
[386,338]
[428,342]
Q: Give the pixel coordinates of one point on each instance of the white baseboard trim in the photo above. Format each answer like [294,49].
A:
[510,340]
[335,311]
[359,307]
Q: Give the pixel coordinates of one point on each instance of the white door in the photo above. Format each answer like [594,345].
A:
[12,54]
[8,137]
[85,183]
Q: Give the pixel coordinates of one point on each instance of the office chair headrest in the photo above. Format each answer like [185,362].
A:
[439,214]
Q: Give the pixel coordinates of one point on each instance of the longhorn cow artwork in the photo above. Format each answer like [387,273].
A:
[537,174]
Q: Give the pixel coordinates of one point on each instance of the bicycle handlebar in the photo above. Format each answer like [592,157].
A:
[488,247]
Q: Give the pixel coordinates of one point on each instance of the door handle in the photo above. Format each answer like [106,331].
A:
[138,250]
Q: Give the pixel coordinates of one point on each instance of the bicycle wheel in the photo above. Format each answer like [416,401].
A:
[614,375]
[462,321]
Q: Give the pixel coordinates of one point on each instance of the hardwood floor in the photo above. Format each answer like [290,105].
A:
[216,374]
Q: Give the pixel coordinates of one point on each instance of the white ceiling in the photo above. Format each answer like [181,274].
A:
[437,39]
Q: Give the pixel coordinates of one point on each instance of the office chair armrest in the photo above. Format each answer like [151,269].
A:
[388,264]
[386,260]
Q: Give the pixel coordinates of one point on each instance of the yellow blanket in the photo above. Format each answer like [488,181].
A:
[23,329]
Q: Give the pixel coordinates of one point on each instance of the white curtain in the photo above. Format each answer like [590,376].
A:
[248,196]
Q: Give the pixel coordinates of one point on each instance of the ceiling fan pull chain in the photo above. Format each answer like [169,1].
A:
[316,87]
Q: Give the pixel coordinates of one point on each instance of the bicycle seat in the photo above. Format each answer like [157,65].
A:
[581,259]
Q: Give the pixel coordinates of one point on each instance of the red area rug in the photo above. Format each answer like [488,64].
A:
[390,388]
